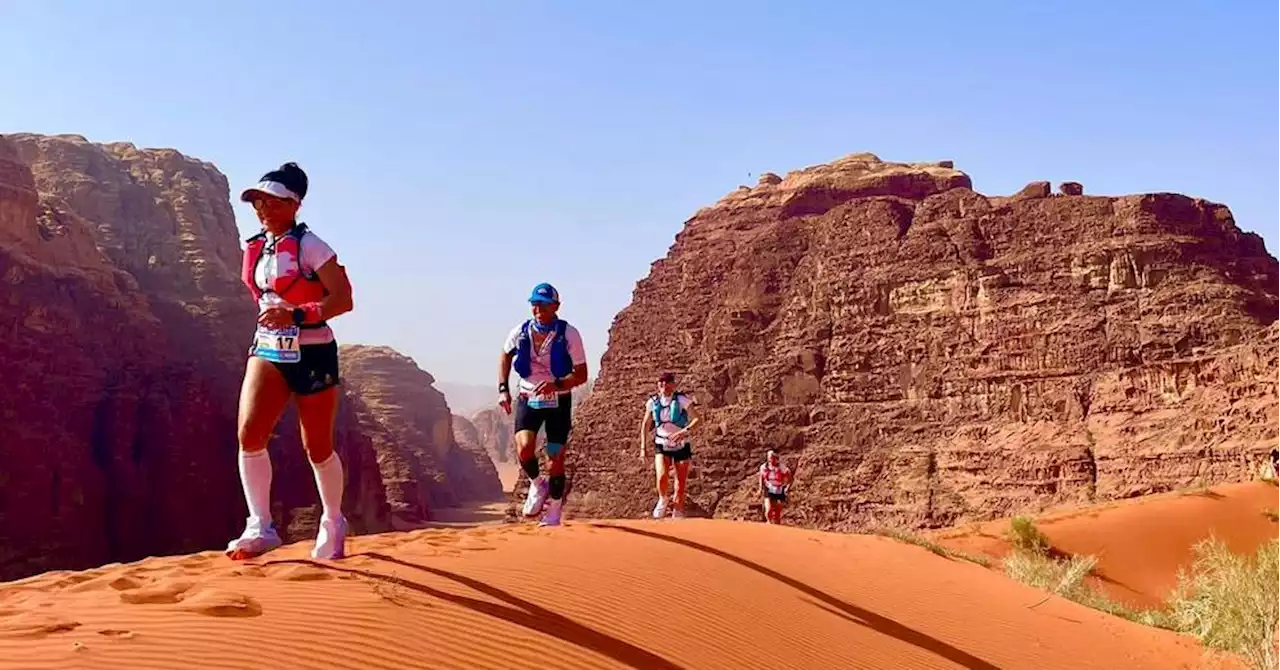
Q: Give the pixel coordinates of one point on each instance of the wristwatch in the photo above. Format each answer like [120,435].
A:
[559,384]
[502,387]
[299,315]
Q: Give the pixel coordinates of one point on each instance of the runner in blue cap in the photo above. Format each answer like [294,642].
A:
[547,354]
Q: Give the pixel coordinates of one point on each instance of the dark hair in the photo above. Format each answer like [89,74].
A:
[291,176]
[668,377]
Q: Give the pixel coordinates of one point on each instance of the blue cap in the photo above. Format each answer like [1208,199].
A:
[545,293]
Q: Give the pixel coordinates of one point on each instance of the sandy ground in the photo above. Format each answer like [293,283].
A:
[1141,543]
[693,593]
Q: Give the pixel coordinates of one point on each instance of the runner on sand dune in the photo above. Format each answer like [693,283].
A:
[775,479]
[547,354]
[670,415]
[299,285]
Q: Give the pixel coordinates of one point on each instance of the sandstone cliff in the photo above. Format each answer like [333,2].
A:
[493,432]
[923,354]
[422,464]
[125,335]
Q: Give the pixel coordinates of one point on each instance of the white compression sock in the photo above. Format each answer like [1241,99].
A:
[329,481]
[255,477]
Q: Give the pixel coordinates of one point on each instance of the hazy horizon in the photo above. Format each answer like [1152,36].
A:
[460,155]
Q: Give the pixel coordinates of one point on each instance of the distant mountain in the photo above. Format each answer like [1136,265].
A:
[469,399]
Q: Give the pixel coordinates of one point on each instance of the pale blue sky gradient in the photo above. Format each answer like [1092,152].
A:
[462,152]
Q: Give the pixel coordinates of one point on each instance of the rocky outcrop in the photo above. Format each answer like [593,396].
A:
[126,329]
[481,471]
[493,432]
[116,436]
[922,354]
[422,465]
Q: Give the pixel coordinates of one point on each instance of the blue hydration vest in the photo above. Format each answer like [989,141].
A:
[678,414]
[561,362]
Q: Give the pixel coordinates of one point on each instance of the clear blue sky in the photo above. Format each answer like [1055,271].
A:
[462,152]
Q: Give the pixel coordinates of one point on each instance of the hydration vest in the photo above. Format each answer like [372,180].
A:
[295,285]
[774,476]
[561,361]
[678,414]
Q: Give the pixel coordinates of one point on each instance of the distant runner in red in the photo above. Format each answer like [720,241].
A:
[775,479]
[299,285]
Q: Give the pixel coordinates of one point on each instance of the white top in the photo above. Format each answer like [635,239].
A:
[540,366]
[315,253]
[666,428]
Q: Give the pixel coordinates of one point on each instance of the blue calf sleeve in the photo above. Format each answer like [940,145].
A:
[553,449]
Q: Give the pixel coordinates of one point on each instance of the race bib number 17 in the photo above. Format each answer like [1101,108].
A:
[279,346]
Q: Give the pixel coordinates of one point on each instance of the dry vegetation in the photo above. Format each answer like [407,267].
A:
[911,538]
[1227,601]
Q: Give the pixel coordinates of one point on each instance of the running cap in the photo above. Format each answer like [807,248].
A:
[289,181]
[545,293]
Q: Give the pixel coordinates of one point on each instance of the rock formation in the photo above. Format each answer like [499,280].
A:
[924,355]
[493,432]
[422,464]
[120,311]
[125,331]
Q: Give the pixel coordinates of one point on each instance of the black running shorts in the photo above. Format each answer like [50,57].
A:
[315,371]
[558,420]
[682,454]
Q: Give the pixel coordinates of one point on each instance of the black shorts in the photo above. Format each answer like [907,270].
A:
[316,371]
[778,497]
[558,419]
[682,454]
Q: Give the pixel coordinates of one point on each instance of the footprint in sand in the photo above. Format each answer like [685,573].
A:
[117,633]
[163,592]
[219,603]
[236,571]
[35,624]
[475,544]
[195,561]
[300,573]
[74,580]
[125,583]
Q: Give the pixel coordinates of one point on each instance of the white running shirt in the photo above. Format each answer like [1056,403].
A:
[540,366]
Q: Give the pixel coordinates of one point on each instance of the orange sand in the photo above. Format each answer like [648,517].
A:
[693,593]
[1141,543]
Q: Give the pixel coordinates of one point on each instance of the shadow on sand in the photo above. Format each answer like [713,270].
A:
[517,610]
[847,611]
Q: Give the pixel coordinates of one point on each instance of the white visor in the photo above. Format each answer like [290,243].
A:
[271,188]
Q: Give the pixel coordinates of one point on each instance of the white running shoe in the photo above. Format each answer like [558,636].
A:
[258,538]
[538,490]
[660,510]
[331,539]
[552,515]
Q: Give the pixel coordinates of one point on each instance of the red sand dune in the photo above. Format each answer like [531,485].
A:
[1141,543]
[695,593]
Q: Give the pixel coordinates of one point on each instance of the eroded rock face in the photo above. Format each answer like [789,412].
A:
[118,408]
[422,465]
[493,432]
[924,355]
[126,330]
